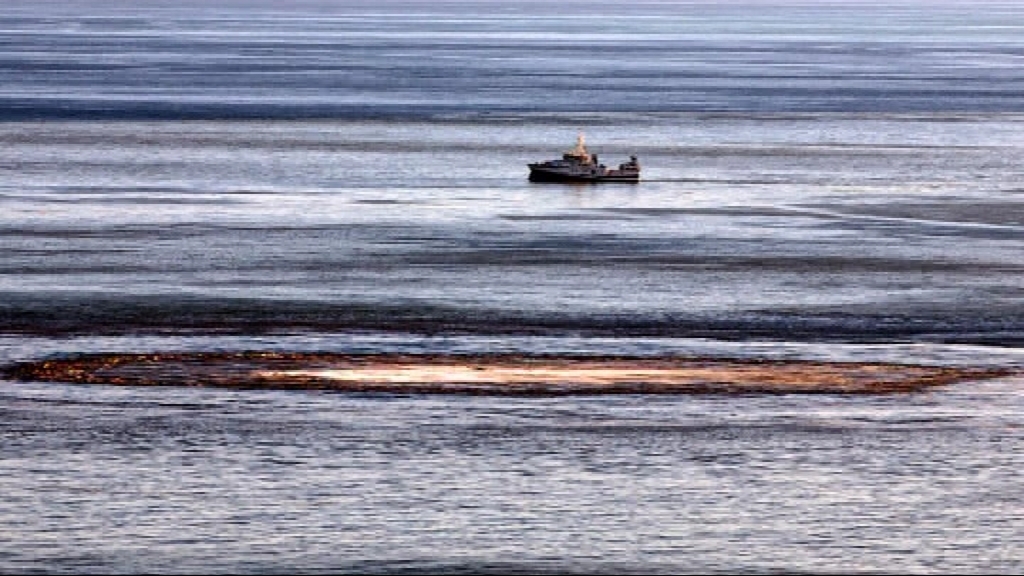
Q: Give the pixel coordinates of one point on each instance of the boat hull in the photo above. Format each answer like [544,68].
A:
[542,175]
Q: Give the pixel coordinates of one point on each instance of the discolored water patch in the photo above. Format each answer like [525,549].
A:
[492,374]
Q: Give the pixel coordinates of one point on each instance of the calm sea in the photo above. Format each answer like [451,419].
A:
[820,181]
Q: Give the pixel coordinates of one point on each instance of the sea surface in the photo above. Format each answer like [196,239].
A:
[824,182]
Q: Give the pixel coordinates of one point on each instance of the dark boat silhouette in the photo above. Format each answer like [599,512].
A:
[579,165]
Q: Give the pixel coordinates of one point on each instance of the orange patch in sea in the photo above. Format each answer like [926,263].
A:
[495,374]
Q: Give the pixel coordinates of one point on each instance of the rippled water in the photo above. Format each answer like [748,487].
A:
[820,182]
[194,480]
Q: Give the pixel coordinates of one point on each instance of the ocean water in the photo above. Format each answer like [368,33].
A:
[819,182]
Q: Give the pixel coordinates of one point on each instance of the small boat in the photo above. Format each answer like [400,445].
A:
[578,165]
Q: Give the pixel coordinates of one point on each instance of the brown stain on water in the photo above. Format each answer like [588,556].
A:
[494,374]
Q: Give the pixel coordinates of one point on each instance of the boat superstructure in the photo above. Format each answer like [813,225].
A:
[579,165]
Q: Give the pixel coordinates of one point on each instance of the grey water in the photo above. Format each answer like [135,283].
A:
[819,182]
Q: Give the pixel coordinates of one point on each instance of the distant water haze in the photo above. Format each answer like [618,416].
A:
[403,60]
